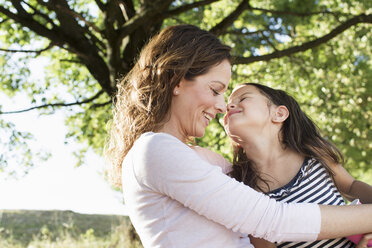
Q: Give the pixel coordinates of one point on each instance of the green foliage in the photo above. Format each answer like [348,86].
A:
[216,139]
[60,229]
[331,81]
[336,93]
[13,143]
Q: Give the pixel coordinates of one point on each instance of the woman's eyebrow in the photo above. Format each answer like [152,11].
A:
[219,82]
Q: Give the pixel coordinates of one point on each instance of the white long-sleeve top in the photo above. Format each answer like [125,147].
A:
[177,199]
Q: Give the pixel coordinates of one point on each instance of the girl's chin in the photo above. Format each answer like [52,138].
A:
[234,128]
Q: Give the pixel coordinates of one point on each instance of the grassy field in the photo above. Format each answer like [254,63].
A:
[64,229]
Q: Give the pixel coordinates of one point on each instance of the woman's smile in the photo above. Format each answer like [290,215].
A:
[207,117]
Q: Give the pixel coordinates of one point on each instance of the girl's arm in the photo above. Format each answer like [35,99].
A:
[351,188]
[362,191]
[364,241]
[342,221]
[261,243]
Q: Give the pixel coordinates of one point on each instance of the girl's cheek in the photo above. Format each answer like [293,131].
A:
[225,120]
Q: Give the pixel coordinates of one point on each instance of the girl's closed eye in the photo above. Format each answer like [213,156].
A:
[242,99]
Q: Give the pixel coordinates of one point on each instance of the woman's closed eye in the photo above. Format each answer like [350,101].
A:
[215,92]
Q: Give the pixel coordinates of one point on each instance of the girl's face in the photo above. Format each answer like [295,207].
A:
[196,102]
[247,111]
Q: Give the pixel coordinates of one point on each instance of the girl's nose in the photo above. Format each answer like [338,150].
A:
[230,106]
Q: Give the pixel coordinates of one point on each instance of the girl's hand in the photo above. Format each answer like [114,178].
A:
[363,243]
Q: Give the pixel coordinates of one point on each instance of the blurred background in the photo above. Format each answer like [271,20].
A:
[59,64]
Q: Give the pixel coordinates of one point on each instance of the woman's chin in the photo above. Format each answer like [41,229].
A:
[199,133]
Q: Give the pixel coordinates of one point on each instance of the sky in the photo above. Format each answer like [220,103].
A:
[55,184]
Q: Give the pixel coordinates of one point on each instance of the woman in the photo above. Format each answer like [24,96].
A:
[174,197]
[301,166]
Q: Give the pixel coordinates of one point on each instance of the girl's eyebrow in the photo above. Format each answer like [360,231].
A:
[244,94]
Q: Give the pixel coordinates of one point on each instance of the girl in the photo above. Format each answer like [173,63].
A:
[280,152]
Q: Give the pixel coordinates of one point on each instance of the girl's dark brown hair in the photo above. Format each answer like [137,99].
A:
[144,96]
[298,133]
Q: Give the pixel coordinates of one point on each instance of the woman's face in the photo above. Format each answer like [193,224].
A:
[247,111]
[196,102]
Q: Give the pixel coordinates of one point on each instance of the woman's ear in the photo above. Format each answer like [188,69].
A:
[280,114]
[176,90]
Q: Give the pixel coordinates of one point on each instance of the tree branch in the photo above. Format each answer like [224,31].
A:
[71,61]
[56,34]
[127,9]
[80,17]
[38,52]
[133,23]
[26,20]
[228,21]
[283,12]
[4,20]
[242,31]
[143,17]
[36,12]
[65,10]
[98,105]
[56,104]
[69,35]
[363,18]
[267,39]
[186,7]
[101,5]
[245,32]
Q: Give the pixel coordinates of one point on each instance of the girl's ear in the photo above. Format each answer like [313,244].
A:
[280,114]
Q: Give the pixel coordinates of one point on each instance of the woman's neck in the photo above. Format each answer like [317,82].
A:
[170,127]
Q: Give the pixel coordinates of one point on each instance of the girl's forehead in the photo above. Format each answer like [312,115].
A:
[240,90]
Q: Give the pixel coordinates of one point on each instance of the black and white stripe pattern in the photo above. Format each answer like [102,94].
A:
[312,184]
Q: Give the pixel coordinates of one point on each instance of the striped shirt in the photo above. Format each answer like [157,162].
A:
[312,184]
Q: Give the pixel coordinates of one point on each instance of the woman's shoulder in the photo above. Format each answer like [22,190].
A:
[156,136]
[213,158]
[156,139]
[152,152]
[152,145]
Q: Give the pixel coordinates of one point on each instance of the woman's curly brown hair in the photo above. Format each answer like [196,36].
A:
[144,95]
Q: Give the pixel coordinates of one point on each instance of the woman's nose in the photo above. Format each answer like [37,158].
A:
[221,105]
